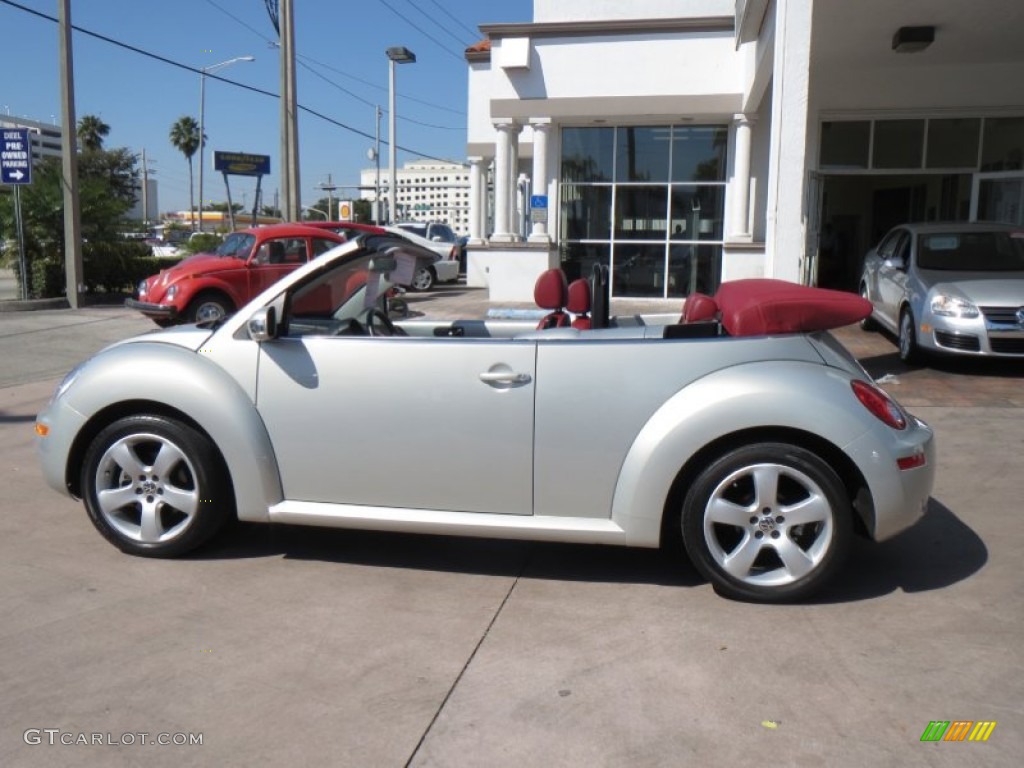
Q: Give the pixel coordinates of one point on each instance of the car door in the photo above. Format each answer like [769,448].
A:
[273,259]
[390,421]
[892,274]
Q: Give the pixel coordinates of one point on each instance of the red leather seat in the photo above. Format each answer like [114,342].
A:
[698,307]
[551,292]
[578,303]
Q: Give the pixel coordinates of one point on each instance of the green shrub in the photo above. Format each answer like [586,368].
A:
[202,243]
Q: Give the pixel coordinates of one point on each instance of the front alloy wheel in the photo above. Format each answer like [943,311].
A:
[154,486]
[767,523]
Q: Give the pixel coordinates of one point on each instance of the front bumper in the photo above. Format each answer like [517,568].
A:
[156,311]
[996,333]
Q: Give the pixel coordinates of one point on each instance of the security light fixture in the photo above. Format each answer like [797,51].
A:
[912,39]
[401,55]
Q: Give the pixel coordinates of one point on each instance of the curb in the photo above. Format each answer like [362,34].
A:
[20,305]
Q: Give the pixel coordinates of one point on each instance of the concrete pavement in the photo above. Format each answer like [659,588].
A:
[351,648]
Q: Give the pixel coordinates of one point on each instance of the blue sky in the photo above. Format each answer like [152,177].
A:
[342,74]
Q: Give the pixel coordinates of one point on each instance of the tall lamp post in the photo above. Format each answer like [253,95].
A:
[396,55]
[202,108]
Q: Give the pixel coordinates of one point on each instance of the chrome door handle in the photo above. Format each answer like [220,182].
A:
[504,377]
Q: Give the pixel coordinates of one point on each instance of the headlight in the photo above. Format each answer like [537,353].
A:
[953,306]
[172,292]
[142,288]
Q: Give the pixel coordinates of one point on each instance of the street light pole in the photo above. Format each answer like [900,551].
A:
[396,55]
[202,108]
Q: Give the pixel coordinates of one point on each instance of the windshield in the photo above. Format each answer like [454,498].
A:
[971,251]
[237,244]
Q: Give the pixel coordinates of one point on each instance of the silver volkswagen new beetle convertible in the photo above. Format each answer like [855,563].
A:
[742,428]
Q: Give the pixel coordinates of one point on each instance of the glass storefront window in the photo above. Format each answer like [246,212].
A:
[697,212]
[953,142]
[640,212]
[1002,148]
[845,144]
[587,154]
[586,211]
[578,259]
[641,154]
[698,152]
[649,202]
[898,144]
[638,270]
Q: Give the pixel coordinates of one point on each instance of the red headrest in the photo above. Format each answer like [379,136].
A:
[550,291]
[758,307]
[699,306]
[579,296]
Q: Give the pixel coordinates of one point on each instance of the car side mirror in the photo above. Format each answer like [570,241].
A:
[895,262]
[262,326]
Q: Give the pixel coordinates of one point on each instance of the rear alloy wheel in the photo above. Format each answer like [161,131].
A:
[154,486]
[868,323]
[910,353]
[423,279]
[767,523]
[207,308]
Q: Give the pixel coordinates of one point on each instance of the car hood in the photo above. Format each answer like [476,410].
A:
[205,262]
[996,289]
[189,336]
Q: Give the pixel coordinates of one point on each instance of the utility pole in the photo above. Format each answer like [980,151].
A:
[289,114]
[145,191]
[329,188]
[73,265]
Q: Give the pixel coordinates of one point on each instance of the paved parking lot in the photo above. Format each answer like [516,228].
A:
[362,649]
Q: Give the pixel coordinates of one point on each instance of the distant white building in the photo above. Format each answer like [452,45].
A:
[45,137]
[428,190]
[152,212]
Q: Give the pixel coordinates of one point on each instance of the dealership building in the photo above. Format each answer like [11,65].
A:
[687,142]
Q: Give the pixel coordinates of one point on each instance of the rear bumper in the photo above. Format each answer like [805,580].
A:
[156,311]
[446,270]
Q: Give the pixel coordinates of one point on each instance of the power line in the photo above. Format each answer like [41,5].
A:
[437,24]
[474,33]
[194,70]
[420,29]
[311,60]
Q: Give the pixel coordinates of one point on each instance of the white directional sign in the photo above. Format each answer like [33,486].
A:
[15,156]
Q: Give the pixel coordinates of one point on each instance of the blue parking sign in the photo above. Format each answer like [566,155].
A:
[15,156]
[538,201]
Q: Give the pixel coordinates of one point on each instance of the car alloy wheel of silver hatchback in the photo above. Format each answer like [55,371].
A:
[155,486]
[146,488]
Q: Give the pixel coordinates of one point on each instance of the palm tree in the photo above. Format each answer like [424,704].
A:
[91,132]
[185,138]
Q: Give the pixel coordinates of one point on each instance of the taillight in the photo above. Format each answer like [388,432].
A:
[880,404]
[453,253]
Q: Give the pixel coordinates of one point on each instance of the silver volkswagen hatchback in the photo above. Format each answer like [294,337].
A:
[954,288]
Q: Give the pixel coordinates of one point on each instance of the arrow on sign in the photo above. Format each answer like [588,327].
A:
[17,175]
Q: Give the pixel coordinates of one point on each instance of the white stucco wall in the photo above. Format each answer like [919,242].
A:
[593,10]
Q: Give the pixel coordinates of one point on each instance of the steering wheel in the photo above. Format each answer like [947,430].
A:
[382,328]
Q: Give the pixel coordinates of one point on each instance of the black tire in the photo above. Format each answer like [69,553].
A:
[868,324]
[736,530]
[906,338]
[155,487]
[208,307]
[423,279]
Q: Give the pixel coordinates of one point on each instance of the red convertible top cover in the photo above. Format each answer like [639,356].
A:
[760,307]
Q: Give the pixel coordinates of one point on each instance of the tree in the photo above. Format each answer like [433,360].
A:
[185,138]
[91,132]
